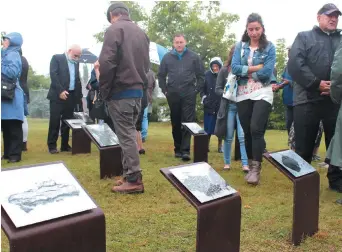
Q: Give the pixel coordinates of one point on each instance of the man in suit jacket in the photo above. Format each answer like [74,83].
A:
[65,92]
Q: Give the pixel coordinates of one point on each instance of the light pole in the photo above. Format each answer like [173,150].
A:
[66,31]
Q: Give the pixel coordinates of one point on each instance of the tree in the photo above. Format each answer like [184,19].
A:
[277,117]
[37,81]
[137,14]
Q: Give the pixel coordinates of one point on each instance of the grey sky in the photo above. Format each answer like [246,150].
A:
[42,22]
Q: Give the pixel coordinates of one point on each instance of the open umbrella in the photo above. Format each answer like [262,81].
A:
[157,53]
[88,57]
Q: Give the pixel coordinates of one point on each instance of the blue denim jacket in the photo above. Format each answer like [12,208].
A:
[266,57]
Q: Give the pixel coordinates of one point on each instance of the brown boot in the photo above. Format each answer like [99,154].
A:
[254,176]
[129,187]
[119,182]
[250,168]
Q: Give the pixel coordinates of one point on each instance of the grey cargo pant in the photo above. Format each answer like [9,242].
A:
[124,114]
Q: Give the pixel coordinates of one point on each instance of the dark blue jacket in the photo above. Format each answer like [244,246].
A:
[211,102]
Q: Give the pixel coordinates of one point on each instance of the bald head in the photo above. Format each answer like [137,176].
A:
[74,52]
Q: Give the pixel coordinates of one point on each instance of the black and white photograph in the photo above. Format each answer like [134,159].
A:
[203,182]
[103,134]
[84,117]
[292,162]
[194,128]
[36,194]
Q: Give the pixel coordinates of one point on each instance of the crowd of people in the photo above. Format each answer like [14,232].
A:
[122,78]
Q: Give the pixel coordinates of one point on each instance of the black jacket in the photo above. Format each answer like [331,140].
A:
[60,78]
[310,61]
[23,77]
[212,101]
[183,75]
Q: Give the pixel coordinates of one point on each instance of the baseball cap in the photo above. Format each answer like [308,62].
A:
[114,6]
[329,8]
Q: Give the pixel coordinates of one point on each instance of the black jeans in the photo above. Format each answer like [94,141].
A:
[183,109]
[60,111]
[12,132]
[306,124]
[289,118]
[253,117]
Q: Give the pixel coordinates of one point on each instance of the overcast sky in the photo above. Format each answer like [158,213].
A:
[42,22]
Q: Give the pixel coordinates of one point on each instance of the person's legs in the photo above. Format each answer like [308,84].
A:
[144,126]
[289,118]
[25,133]
[174,102]
[67,113]
[227,146]
[5,125]
[54,125]
[306,125]
[188,115]
[245,111]
[329,113]
[16,140]
[124,114]
[241,138]
[260,115]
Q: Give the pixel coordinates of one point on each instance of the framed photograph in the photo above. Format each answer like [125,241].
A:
[75,123]
[84,117]
[194,128]
[203,182]
[39,193]
[102,134]
[292,162]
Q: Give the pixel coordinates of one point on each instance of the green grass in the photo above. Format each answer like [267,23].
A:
[162,220]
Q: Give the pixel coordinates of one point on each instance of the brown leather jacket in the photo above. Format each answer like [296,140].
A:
[124,59]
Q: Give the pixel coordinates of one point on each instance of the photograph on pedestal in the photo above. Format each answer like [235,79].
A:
[203,182]
[194,128]
[40,193]
[103,134]
[84,117]
[75,123]
[292,162]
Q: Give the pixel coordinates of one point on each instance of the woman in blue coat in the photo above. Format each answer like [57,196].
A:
[12,111]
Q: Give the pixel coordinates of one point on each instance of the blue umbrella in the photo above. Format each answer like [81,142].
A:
[88,57]
[157,53]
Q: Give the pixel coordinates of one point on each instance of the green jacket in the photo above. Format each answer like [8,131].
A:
[334,152]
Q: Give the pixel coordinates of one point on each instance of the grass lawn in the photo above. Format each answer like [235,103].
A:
[162,220]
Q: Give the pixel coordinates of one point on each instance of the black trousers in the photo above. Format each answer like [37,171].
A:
[183,109]
[253,117]
[60,111]
[289,118]
[12,133]
[306,124]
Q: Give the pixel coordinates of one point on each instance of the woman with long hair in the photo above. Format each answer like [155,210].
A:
[253,63]
[232,118]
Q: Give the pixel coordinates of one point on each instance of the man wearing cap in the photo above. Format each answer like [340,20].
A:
[124,63]
[309,65]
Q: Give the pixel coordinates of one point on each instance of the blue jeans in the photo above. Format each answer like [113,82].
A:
[232,118]
[144,125]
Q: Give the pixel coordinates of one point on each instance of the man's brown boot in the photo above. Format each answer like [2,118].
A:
[254,176]
[119,182]
[129,187]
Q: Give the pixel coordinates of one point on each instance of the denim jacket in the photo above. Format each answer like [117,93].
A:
[240,64]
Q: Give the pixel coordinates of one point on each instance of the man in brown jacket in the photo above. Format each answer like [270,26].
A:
[124,63]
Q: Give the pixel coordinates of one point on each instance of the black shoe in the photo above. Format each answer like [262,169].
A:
[339,201]
[53,151]
[4,157]
[336,188]
[67,149]
[24,146]
[186,157]
[13,160]
[142,151]
[178,155]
